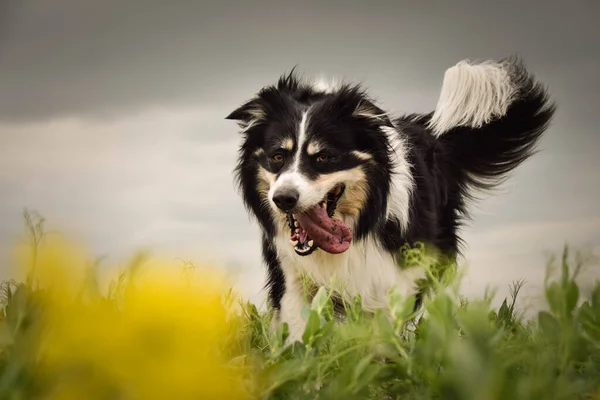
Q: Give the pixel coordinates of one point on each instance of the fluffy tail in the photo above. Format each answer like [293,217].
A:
[489,119]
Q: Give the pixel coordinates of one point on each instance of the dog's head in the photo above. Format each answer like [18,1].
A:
[314,162]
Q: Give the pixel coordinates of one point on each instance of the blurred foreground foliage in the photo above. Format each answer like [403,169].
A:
[162,331]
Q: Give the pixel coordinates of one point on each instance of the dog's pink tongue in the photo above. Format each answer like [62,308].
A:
[330,234]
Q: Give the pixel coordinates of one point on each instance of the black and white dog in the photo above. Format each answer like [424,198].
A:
[338,185]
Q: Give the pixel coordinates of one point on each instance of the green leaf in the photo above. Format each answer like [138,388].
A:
[572,296]
[313,325]
[592,330]
[305,313]
[549,325]
[354,310]
[320,300]
[367,377]
[554,297]
[409,306]
[595,298]
[283,332]
[361,366]
[384,326]
[503,312]
[17,309]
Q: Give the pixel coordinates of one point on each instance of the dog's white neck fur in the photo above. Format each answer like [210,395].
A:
[362,270]
[472,95]
[402,181]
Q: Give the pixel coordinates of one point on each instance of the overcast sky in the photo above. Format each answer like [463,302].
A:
[112,115]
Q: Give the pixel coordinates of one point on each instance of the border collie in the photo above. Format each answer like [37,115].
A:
[338,185]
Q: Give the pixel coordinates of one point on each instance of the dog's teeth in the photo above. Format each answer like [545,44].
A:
[323,205]
[296,224]
[293,242]
[297,230]
[310,243]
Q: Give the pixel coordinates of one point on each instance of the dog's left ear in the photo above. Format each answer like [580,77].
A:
[247,114]
[239,114]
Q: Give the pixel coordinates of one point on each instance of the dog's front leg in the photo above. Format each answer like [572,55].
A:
[292,302]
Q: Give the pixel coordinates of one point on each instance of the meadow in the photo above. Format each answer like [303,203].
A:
[178,331]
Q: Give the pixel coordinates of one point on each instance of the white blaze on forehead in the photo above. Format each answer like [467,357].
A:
[301,140]
[293,178]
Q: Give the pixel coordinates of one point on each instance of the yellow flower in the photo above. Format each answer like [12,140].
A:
[166,338]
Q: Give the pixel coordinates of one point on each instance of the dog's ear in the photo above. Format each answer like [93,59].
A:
[248,114]
[366,108]
[353,101]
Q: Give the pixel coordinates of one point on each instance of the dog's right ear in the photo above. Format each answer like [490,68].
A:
[248,114]
[239,114]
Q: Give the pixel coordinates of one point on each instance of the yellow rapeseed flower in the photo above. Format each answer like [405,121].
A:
[163,338]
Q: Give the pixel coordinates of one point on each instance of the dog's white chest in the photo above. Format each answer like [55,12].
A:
[365,269]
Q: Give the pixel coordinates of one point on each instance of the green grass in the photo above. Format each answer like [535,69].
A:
[460,350]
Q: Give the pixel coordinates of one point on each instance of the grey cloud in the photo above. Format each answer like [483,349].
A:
[114,186]
[73,57]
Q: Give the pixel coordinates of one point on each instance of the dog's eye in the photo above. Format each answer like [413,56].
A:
[278,158]
[323,158]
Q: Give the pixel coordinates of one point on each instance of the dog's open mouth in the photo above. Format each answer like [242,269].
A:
[316,227]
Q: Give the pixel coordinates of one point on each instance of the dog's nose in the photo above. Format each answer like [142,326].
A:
[286,199]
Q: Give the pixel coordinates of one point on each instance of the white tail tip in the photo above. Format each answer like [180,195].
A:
[472,95]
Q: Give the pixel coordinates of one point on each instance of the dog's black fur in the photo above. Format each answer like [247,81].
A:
[447,169]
